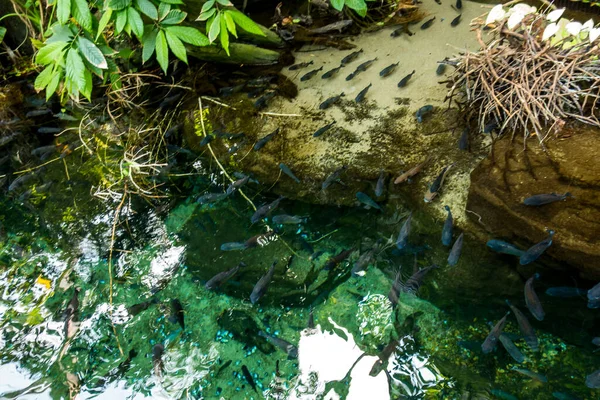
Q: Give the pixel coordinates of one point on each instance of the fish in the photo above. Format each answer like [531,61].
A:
[565,292]
[427,23]
[542,199]
[286,170]
[331,72]
[394,294]
[263,284]
[249,378]
[260,240]
[139,307]
[405,80]
[333,177]
[463,141]
[177,313]
[596,341]
[365,199]
[263,141]
[300,65]
[254,93]
[290,349]
[593,296]
[456,250]
[441,68]
[228,135]
[413,284]
[456,20]
[310,74]
[536,250]
[330,101]
[525,327]
[459,4]
[304,245]
[384,356]
[332,262]
[361,95]
[530,374]
[288,219]
[336,26]
[422,112]
[230,90]
[237,184]
[380,186]
[261,102]
[500,246]
[531,299]
[261,81]
[48,129]
[211,198]
[71,315]
[19,181]
[564,396]
[311,320]
[323,129]
[501,394]
[397,32]
[492,339]
[387,71]
[206,140]
[233,149]
[437,184]
[402,240]
[447,229]
[38,113]
[363,261]
[351,57]
[39,151]
[490,127]
[233,246]
[222,277]
[411,172]
[264,210]
[157,363]
[361,68]
[169,101]
[510,348]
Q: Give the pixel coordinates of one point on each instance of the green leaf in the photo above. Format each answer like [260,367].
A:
[176,46]
[44,78]
[172,1]
[206,6]
[2,33]
[225,3]
[162,51]
[206,15]
[246,23]
[149,42]
[103,22]
[63,11]
[224,35]
[337,4]
[230,23]
[174,17]
[163,10]
[49,53]
[53,85]
[82,14]
[86,90]
[118,4]
[60,33]
[92,53]
[147,8]
[215,28]
[135,21]
[189,35]
[75,70]
[121,21]
[357,5]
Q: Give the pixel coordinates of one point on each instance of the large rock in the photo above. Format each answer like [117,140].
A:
[510,174]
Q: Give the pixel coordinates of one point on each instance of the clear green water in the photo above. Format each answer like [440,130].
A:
[58,241]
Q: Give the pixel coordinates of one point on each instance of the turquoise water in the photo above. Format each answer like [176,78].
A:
[57,242]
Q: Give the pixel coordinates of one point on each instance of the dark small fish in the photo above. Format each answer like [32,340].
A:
[536,250]
[290,349]
[331,72]
[593,380]
[262,142]
[593,296]
[222,277]
[228,135]
[490,127]
[262,285]
[564,396]
[503,247]
[397,32]
[363,198]
[288,219]
[441,68]
[511,349]
[388,70]
[336,26]
[596,341]
[20,180]
[324,129]
[394,294]
[492,339]
[439,2]
[530,374]
[459,4]
[413,284]
[71,315]
[311,320]
[411,172]
[448,228]
[39,151]
[381,363]
[333,177]
[261,102]
[48,129]
[363,261]
[361,95]
[211,198]
[380,186]
[169,101]
[206,140]
[501,394]
[364,66]
[334,261]
[428,23]
[254,93]
[422,112]
[310,74]
[177,313]
[565,292]
[330,101]
[351,57]
[437,184]
[286,170]
[525,327]
[233,246]
[237,184]
[233,149]
[531,299]
[405,80]
[223,367]
[456,250]
[139,307]
[261,81]
[541,199]
[402,240]
[38,113]
[260,240]
[300,65]
[230,90]
[456,20]
[263,211]
[157,363]
[249,377]
[463,142]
